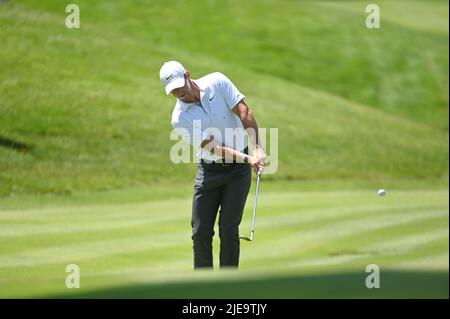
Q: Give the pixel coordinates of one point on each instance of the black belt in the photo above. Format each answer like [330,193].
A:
[223,162]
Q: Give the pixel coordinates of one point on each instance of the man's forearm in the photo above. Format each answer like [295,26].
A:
[224,151]
[249,123]
[251,127]
[230,154]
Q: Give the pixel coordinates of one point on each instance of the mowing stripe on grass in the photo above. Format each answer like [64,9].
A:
[403,245]
[79,252]
[303,240]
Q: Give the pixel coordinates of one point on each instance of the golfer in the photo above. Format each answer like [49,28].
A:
[209,109]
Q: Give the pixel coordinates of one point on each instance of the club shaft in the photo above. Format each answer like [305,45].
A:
[254,207]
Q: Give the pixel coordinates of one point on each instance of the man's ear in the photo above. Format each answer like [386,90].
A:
[188,74]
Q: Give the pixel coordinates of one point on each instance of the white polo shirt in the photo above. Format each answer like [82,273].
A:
[211,117]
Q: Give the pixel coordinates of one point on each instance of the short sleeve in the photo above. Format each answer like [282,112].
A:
[230,92]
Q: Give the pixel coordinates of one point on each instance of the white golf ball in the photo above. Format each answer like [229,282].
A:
[381,192]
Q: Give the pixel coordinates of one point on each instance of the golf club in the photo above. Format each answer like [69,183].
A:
[252,235]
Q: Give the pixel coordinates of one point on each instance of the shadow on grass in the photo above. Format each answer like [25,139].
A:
[9,143]
[393,284]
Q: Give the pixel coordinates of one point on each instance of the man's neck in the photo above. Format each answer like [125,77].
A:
[197,92]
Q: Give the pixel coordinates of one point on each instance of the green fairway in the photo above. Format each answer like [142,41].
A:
[307,244]
[350,103]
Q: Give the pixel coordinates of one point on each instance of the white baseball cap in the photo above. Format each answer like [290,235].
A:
[172,75]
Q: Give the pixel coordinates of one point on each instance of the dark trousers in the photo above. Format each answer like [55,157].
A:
[217,186]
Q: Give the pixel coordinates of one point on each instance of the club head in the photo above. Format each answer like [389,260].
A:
[245,238]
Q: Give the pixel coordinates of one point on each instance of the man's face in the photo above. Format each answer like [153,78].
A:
[185,93]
